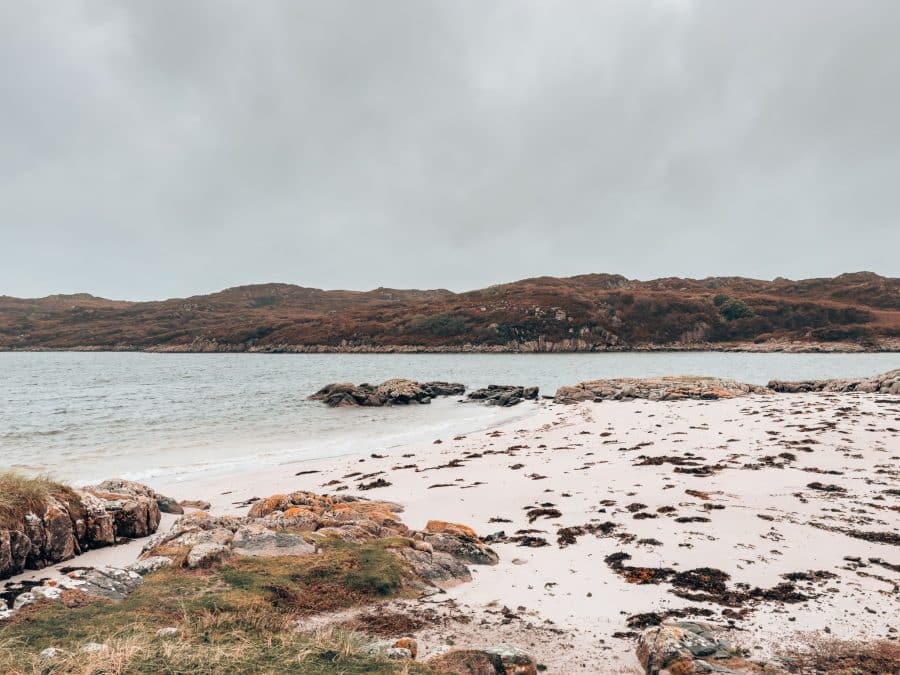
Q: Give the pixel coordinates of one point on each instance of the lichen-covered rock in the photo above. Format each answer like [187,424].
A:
[105,582]
[80,520]
[409,644]
[657,389]
[134,507]
[391,392]
[513,661]
[460,541]
[145,566]
[440,570]
[498,660]
[694,647]
[296,524]
[885,383]
[15,548]
[205,553]
[259,540]
[142,494]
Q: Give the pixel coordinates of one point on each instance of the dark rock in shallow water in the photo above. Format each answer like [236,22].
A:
[504,394]
[391,392]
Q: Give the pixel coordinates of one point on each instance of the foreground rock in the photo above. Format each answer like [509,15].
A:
[693,647]
[391,392]
[109,583]
[499,660]
[504,394]
[657,389]
[71,522]
[300,522]
[886,383]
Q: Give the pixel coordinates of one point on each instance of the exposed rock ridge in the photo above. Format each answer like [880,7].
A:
[657,389]
[885,383]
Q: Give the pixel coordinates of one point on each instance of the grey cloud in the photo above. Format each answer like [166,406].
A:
[165,148]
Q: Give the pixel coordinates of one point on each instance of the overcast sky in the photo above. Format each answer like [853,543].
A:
[166,148]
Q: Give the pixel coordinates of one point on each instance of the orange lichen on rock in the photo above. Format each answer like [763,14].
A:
[300,512]
[266,506]
[408,643]
[442,527]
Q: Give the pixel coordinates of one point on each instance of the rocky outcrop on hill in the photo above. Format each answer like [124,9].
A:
[391,392]
[300,522]
[886,383]
[76,521]
[657,389]
[503,394]
[694,647]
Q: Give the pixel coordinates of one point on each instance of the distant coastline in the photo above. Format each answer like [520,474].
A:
[887,346]
[858,312]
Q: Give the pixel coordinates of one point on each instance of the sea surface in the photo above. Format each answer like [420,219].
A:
[88,416]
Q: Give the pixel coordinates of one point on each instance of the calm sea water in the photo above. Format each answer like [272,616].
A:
[88,416]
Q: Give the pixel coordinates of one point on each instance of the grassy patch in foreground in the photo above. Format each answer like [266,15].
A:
[20,495]
[238,618]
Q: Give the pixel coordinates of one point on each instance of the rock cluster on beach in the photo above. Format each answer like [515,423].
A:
[695,647]
[657,389]
[391,392]
[403,392]
[885,383]
[304,526]
[294,524]
[504,394]
[77,521]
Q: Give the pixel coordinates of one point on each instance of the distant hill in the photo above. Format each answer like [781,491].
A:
[589,312]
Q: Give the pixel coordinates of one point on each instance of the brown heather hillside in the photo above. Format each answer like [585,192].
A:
[583,313]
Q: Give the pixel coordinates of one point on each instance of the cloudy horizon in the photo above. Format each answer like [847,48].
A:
[170,149]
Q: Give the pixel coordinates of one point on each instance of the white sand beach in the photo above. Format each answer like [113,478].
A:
[756,488]
[747,510]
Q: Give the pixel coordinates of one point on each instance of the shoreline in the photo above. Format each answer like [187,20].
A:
[790,498]
[749,510]
[202,346]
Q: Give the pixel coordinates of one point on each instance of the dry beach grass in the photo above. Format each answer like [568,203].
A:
[237,618]
[20,495]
